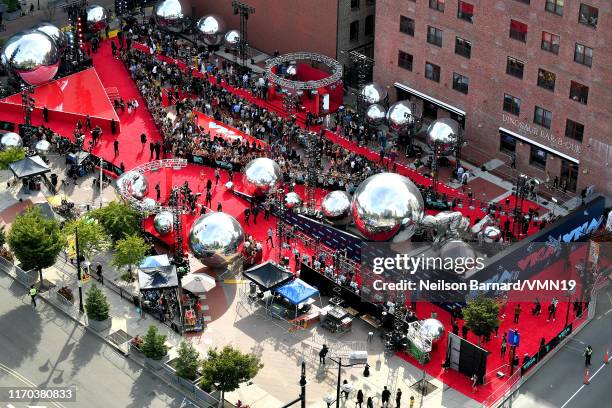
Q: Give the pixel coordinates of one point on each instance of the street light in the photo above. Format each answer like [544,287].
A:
[78,257]
[347,385]
[347,388]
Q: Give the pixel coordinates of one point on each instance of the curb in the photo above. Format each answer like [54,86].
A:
[114,346]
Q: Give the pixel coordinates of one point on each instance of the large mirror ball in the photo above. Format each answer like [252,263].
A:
[261,175]
[387,206]
[168,14]
[32,55]
[215,238]
[211,29]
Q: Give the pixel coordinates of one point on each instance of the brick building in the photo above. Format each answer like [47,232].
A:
[527,78]
[324,26]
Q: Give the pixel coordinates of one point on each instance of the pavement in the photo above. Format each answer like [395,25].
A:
[43,348]
[560,382]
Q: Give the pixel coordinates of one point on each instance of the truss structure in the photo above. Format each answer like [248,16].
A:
[334,65]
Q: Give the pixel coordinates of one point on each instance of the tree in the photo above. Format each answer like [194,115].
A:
[130,251]
[92,236]
[96,304]
[154,345]
[228,368]
[118,218]
[481,315]
[11,155]
[2,236]
[188,361]
[35,240]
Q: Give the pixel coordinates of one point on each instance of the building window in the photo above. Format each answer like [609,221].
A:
[437,5]
[354,30]
[461,83]
[434,36]
[432,71]
[465,11]
[463,47]
[583,55]
[588,15]
[579,92]
[554,6]
[404,60]
[512,104]
[542,117]
[369,25]
[524,1]
[354,4]
[537,157]
[574,130]
[546,79]
[515,67]
[550,42]
[507,143]
[518,30]
[406,25]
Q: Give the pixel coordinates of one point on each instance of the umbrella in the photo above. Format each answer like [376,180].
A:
[198,283]
[56,200]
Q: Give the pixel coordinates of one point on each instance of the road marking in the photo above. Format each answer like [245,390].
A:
[579,341]
[23,379]
[582,386]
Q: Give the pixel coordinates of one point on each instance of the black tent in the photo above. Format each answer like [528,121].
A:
[28,167]
[268,275]
[157,278]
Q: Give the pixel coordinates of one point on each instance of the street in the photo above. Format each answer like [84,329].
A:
[560,382]
[43,348]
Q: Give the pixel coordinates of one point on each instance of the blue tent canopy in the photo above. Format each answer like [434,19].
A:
[297,291]
[155,261]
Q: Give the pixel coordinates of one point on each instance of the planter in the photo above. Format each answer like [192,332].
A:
[63,300]
[99,325]
[154,364]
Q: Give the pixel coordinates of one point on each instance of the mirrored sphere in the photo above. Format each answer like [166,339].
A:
[443,133]
[229,185]
[292,200]
[9,140]
[260,175]
[42,147]
[456,249]
[124,181]
[215,238]
[55,33]
[168,15]
[138,186]
[96,18]
[375,113]
[336,207]
[491,234]
[211,29]
[163,222]
[149,204]
[32,55]
[387,205]
[373,93]
[232,38]
[292,70]
[400,114]
[433,329]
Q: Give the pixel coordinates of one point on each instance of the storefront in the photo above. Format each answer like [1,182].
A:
[430,105]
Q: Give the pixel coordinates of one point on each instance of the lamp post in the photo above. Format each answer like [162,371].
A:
[302,397]
[346,387]
[78,257]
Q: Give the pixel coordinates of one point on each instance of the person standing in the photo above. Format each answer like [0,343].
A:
[552,311]
[116,147]
[219,207]
[113,126]
[474,379]
[370,403]
[157,191]
[217,176]
[504,346]
[398,398]
[359,398]
[270,237]
[208,184]
[323,354]
[208,198]
[588,351]
[33,294]
[157,150]
[247,215]
[255,211]
[517,313]
[99,274]
[46,114]
[385,396]
[88,122]
[151,149]
[143,139]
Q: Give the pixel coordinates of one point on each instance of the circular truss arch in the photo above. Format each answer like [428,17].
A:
[334,77]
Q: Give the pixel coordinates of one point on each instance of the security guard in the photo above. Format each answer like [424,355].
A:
[33,293]
[588,351]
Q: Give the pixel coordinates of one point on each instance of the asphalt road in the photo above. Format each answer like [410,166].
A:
[560,382]
[43,348]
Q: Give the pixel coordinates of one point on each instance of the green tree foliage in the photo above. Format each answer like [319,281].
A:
[228,368]
[188,361]
[481,315]
[119,219]
[11,155]
[154,346]
[2,236]
[35,240]
[92,236]
[130,251]
[96,304]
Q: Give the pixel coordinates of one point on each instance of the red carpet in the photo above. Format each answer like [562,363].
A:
[219,129]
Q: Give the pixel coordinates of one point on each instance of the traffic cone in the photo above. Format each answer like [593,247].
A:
[586,378]
[607,357]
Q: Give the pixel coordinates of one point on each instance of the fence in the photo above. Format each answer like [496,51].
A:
[25,278]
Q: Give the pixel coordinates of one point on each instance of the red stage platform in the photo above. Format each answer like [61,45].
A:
[71,98]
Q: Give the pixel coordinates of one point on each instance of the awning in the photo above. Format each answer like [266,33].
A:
[268,275]
[431,99]
[159,278]
[155,261]
[29,167]
[297,291]
[541,146]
